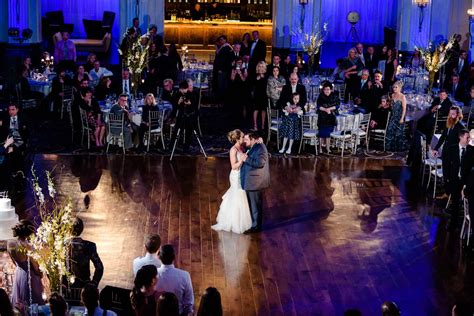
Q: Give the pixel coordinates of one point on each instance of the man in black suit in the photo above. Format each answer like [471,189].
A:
[456,89]
[360,54]
[289,89]
[136,27]
[453,174]
[258,51]
[13,125]
[362,95]
[276,62]
[237,52]
[371,61]
[440,104]
[377,89]
[223,66]
[467,179]
[155,37]
[255,177]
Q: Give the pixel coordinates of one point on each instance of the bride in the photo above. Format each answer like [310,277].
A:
[234,212]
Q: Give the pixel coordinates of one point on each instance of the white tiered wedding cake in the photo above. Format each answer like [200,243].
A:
[8,218]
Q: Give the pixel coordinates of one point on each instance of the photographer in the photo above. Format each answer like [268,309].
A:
[185,110]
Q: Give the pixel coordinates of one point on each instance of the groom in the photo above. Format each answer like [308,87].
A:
[255,177]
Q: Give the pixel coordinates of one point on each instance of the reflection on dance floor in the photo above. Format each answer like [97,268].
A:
[338,233]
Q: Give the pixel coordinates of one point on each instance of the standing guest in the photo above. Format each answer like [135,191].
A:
[129,128]
[65,52]
[328,104]
[210,304]
[260,99]
[258,50]
[151,80]
[176,65]
[126,45]
[94,116]
[103,89]
[6,308]
[152,245]
[223,65]
[352,66]
[167,305]
[416,61]
[155,37]
[380,114]
[456,89]
[136,27]
[126,84]
[144,294]
[456,157]
[371,61]
[289,89]
[82,253]
[22,281]
[290,128]
[360,54]
[395,138]
[57,305]
[149,105]
[197,13]
[467,178]
[80,75]
[362,93]
[238,89]
[168,93]
[245,44]
[91,58]
[449,136]
[383,60]
[177,281]
[462,69]
[275,85]
[391,66]
[90,299]
[28,65]
[237,50]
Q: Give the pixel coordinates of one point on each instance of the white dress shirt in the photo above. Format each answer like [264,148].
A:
[126,86]
[293,88]
[14,122]
[146,260]
[96,75]
[460,65]
[252,47]
[177,281]
[460,158]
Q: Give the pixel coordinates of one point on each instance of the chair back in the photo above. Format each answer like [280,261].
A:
[273,117]
[68,92]
[116,124]
[73,296]
[108,19]
[156,120]
[466,210]
[440,123]
[84,120]
[309,122]
[342,92]
[55,18]
[423,149]
[116,299]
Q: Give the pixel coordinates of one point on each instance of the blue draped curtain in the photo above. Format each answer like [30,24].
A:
[74,11]
[374,16]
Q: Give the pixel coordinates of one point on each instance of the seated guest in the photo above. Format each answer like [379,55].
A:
[82,253]
[25,88]
[28,65]
[103,89]
[144,294]
[57,89]
[152,245]
[94,116]
[167,94]
[90,299]
[98,73]
[91,58]
[456,89]
[328,104]
[27,285]
[275,85]
[338,73]
[65,52]
[362,92]
[128,127]
[441,105]
[192,88]
[168,305]
[79,76]
[453,173]
[380,114]
[76,104]
[149,105]
[177,281]
[371,60]
[210,303]
[6,307]
[57,305]
[289,89]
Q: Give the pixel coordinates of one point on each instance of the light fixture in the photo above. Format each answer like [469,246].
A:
[422,4]
[303,4]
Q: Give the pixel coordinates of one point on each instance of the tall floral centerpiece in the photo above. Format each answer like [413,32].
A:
[311,43]
[50,244]
[136,59]
[435,58]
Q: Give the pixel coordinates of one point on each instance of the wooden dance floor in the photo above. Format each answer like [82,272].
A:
[338,233]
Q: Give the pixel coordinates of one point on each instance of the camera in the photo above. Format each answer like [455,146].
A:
[237,67]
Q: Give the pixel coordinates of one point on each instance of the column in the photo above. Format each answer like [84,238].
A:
[3,20]
[409,34]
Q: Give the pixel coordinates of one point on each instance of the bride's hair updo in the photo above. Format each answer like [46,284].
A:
[234,136]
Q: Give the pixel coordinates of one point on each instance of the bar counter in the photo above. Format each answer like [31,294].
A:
[204,33]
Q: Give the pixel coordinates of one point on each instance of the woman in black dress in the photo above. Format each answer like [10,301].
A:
[245,45]
[391,66]
[328,104]
[260,99]
[94,117]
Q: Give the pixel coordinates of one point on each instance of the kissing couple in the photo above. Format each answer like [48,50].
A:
[242,204]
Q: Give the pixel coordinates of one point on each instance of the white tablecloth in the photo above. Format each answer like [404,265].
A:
[137,112]
[40,86]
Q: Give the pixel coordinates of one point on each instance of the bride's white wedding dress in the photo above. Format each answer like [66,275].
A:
[234,212]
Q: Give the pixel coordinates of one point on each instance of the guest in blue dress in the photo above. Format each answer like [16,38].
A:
[395,137]
[290,127]
[327,105]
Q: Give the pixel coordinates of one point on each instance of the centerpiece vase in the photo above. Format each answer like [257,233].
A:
[432,75]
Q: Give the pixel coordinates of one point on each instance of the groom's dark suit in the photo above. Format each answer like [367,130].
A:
[255,177]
